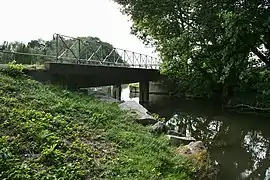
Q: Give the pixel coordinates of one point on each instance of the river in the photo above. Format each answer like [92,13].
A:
[239,143]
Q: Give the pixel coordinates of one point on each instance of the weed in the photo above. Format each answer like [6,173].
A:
[47,132]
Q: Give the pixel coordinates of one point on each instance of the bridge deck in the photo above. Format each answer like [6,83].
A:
[80,75]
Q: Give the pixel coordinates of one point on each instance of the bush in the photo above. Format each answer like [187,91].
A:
[13,69]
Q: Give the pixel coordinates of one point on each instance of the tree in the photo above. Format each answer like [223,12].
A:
[210,41]
[23,58]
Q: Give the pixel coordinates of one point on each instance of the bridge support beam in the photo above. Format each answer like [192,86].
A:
[144,92]
[116,92]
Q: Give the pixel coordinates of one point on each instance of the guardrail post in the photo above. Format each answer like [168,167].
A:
[101,55]
[140,60]
[114,56]
[57,47]
[124,59]
[79,53]
[146,61]
[151,63]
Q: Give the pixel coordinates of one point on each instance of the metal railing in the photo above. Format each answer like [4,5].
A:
[81,51]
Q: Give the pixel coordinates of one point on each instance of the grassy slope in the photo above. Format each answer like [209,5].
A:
[50,133]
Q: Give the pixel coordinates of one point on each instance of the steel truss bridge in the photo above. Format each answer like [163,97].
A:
[81,51]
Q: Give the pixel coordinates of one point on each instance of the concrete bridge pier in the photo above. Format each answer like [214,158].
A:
[144,92]
[116,92]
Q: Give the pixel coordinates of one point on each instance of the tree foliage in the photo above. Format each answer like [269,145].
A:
[212,42]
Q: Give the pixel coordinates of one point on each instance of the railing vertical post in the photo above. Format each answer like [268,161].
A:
[140,60]
[145,61]
[133,58]
[124,55]
[57,47]
[101,55]
[114,56]
[79,53]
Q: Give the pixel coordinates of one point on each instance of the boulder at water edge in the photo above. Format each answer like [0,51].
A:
[177,140]
[174,133]
[192,148]
[159,127]
[142,114]
[206,168]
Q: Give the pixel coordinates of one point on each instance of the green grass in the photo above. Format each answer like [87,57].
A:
[25,66]
[47,132]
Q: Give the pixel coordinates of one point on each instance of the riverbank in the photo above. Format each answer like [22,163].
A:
[240,143]
[49,132]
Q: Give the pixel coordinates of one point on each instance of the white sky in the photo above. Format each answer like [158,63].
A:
[23,20]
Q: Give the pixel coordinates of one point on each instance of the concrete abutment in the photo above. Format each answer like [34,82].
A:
[144,92]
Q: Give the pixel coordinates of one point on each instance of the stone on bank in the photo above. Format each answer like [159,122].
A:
[207,169]
[159,127]
[177,140]
[142,114]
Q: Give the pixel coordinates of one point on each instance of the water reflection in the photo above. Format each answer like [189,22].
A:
[239,143]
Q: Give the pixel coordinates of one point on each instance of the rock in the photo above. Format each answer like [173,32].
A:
[177,140]
[142,114]
[159,127]
[207,169]
[174,133]
[107,99]
[196,147]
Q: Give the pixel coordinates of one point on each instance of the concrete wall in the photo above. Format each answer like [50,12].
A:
[154,88]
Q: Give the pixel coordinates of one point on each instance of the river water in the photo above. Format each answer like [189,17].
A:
[240,143]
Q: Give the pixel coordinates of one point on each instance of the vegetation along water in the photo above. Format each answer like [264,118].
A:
[47,132]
